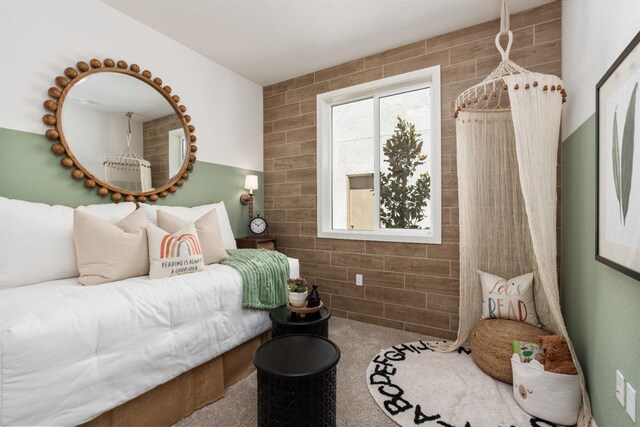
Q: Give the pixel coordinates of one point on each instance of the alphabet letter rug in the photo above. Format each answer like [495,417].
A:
[415,385]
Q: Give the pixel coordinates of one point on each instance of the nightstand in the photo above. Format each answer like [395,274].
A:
[256,242]
[285,322]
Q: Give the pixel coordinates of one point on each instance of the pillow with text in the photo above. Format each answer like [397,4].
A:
[508,299]
[173,254]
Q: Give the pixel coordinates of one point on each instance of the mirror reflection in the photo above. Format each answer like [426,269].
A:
[123,131]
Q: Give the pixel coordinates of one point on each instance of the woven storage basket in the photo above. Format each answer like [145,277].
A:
[491,344]
[547,395]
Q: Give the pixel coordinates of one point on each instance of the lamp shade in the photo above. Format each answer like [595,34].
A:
[251,183]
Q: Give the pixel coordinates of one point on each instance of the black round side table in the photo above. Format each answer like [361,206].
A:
[297,381]
[285,322]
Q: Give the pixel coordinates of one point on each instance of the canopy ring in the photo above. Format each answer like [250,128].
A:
[503,52]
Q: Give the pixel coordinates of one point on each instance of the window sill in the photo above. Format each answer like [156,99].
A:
[404,236]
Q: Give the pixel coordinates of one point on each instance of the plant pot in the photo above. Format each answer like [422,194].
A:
[298,299]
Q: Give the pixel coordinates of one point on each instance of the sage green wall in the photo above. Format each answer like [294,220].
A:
[601,306]
[30,171]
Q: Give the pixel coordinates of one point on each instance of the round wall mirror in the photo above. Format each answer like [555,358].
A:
[120,130]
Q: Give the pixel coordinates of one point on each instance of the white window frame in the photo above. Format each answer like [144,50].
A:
[325,101]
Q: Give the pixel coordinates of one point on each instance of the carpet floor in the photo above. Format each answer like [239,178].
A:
[358,342]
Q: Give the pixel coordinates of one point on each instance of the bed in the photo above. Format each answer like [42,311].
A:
[68,353]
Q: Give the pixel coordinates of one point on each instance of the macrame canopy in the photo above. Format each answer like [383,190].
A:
[493,92]
[507,130]
[127,169]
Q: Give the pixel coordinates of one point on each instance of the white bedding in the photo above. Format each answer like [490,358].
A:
[70,352]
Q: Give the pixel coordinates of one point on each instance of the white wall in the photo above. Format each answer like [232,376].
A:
[594,34]
[93,135]
[40,38]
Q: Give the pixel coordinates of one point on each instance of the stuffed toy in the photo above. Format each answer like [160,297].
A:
[557,357]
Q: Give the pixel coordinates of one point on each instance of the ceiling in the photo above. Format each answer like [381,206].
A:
[268,41]
[133,96]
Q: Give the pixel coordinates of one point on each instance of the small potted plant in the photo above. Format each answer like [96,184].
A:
[297,292]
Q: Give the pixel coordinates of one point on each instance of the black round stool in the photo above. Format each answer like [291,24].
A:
[297,381]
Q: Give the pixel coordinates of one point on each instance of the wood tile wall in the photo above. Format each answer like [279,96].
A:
[156,146]
[413,287]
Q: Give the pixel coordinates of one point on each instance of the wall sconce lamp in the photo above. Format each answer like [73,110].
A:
[250,184]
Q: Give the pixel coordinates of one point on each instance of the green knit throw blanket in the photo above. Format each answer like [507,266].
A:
[264,277]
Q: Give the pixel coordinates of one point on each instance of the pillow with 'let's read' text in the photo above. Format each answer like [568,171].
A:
[173,254]
[508,299]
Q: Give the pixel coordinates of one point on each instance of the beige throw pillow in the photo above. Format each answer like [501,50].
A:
[508,299]
[208,233]
[108,252]
[191,214]
[176,253]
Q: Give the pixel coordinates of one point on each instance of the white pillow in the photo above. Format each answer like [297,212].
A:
[173,254]
[193,214]
[36,240]
[112,212]
[508,299]
[36,243]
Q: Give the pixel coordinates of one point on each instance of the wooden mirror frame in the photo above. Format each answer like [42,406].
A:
[60,145]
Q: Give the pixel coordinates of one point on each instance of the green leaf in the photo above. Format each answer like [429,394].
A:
[615,156]
[626,169]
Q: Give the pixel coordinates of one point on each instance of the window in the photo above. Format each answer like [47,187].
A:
[379,160]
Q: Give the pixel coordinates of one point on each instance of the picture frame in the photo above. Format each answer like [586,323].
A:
[618,163]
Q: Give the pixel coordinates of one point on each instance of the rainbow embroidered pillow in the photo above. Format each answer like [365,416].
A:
[508,299]
[173,254]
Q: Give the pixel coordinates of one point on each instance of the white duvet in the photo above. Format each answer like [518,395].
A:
[70,352]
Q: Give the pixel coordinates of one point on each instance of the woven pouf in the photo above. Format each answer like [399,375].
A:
[491,344]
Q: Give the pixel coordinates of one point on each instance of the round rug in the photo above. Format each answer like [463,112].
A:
[415,385]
